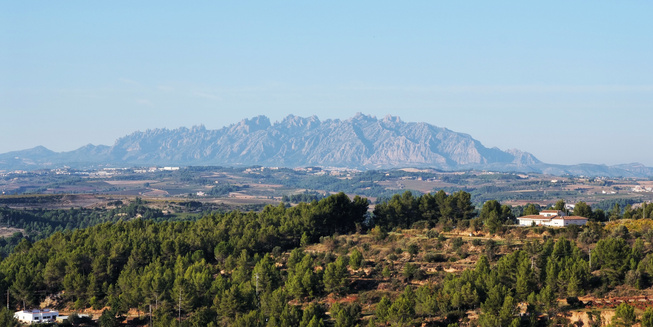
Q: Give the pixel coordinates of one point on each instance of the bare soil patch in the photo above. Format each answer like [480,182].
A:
[8,231]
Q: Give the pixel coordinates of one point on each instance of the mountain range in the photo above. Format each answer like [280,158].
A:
[361,142]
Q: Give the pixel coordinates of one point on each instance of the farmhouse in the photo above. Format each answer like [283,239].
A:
[555,218]
[36,316]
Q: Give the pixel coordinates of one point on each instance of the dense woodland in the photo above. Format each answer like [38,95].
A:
[329,262]
[40,223]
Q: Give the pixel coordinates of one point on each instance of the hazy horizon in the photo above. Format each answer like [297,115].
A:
[568,82]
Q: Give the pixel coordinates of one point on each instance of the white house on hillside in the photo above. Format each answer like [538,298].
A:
[36,316]
[555,218]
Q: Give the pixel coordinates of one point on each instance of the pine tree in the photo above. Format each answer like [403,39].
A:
[335,276]
[624,315]
[647,318]
[525,283]
[7,318]
[356,259]
[383,308]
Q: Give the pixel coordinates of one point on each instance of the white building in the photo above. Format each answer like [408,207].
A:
[555,218]
[36,316]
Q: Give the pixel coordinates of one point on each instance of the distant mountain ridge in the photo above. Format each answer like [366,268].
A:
[362,142]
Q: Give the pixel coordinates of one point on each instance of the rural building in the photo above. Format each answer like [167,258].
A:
[36,316]
[554,218]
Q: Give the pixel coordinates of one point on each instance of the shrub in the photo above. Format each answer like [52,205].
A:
[432,233]
[421,224]
[379,233]
[413,249]
[434,257]
[410,270]
[574,302]
[356,259]
[457,242]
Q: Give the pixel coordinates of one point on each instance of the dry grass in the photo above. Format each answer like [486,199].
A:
[8,231]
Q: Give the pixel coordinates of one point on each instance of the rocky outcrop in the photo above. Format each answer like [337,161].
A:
[362,141]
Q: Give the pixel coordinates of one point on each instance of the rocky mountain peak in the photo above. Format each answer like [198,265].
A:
[362,142]
[392,119]
[295,122]
[254,124]
[360,117]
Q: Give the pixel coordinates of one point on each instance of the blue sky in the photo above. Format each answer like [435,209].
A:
[570,82]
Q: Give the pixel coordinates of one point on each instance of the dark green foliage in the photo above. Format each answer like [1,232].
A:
[644,211]
[610,205]
[7,318]
[490,249]
[457,242]
[647,318]
[425,300]
[574,302]
[224,189]
[229,269]
[400,211]
[489,207]
[108,319]
[624,316]
[410,270]
[338,214]
[307,197]
[313,316]
[583,210]
[514,278]
[335,276]
[346,314]
[531,209]
[302,281]
[40,223]
[560,205]
[613,258]
[591,233]
[133,264]
[402,309]
[434,257]
[494,215]
[356,259]
[383,308]
[404,210]
[432,233]
[413,249]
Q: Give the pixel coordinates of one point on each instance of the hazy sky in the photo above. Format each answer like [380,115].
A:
[569,81]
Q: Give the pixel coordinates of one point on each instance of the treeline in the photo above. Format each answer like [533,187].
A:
[364,183]
[225,189]
[41,223]
[404,210]
[302,197]
[456,209]
[617,211]
[30,199]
